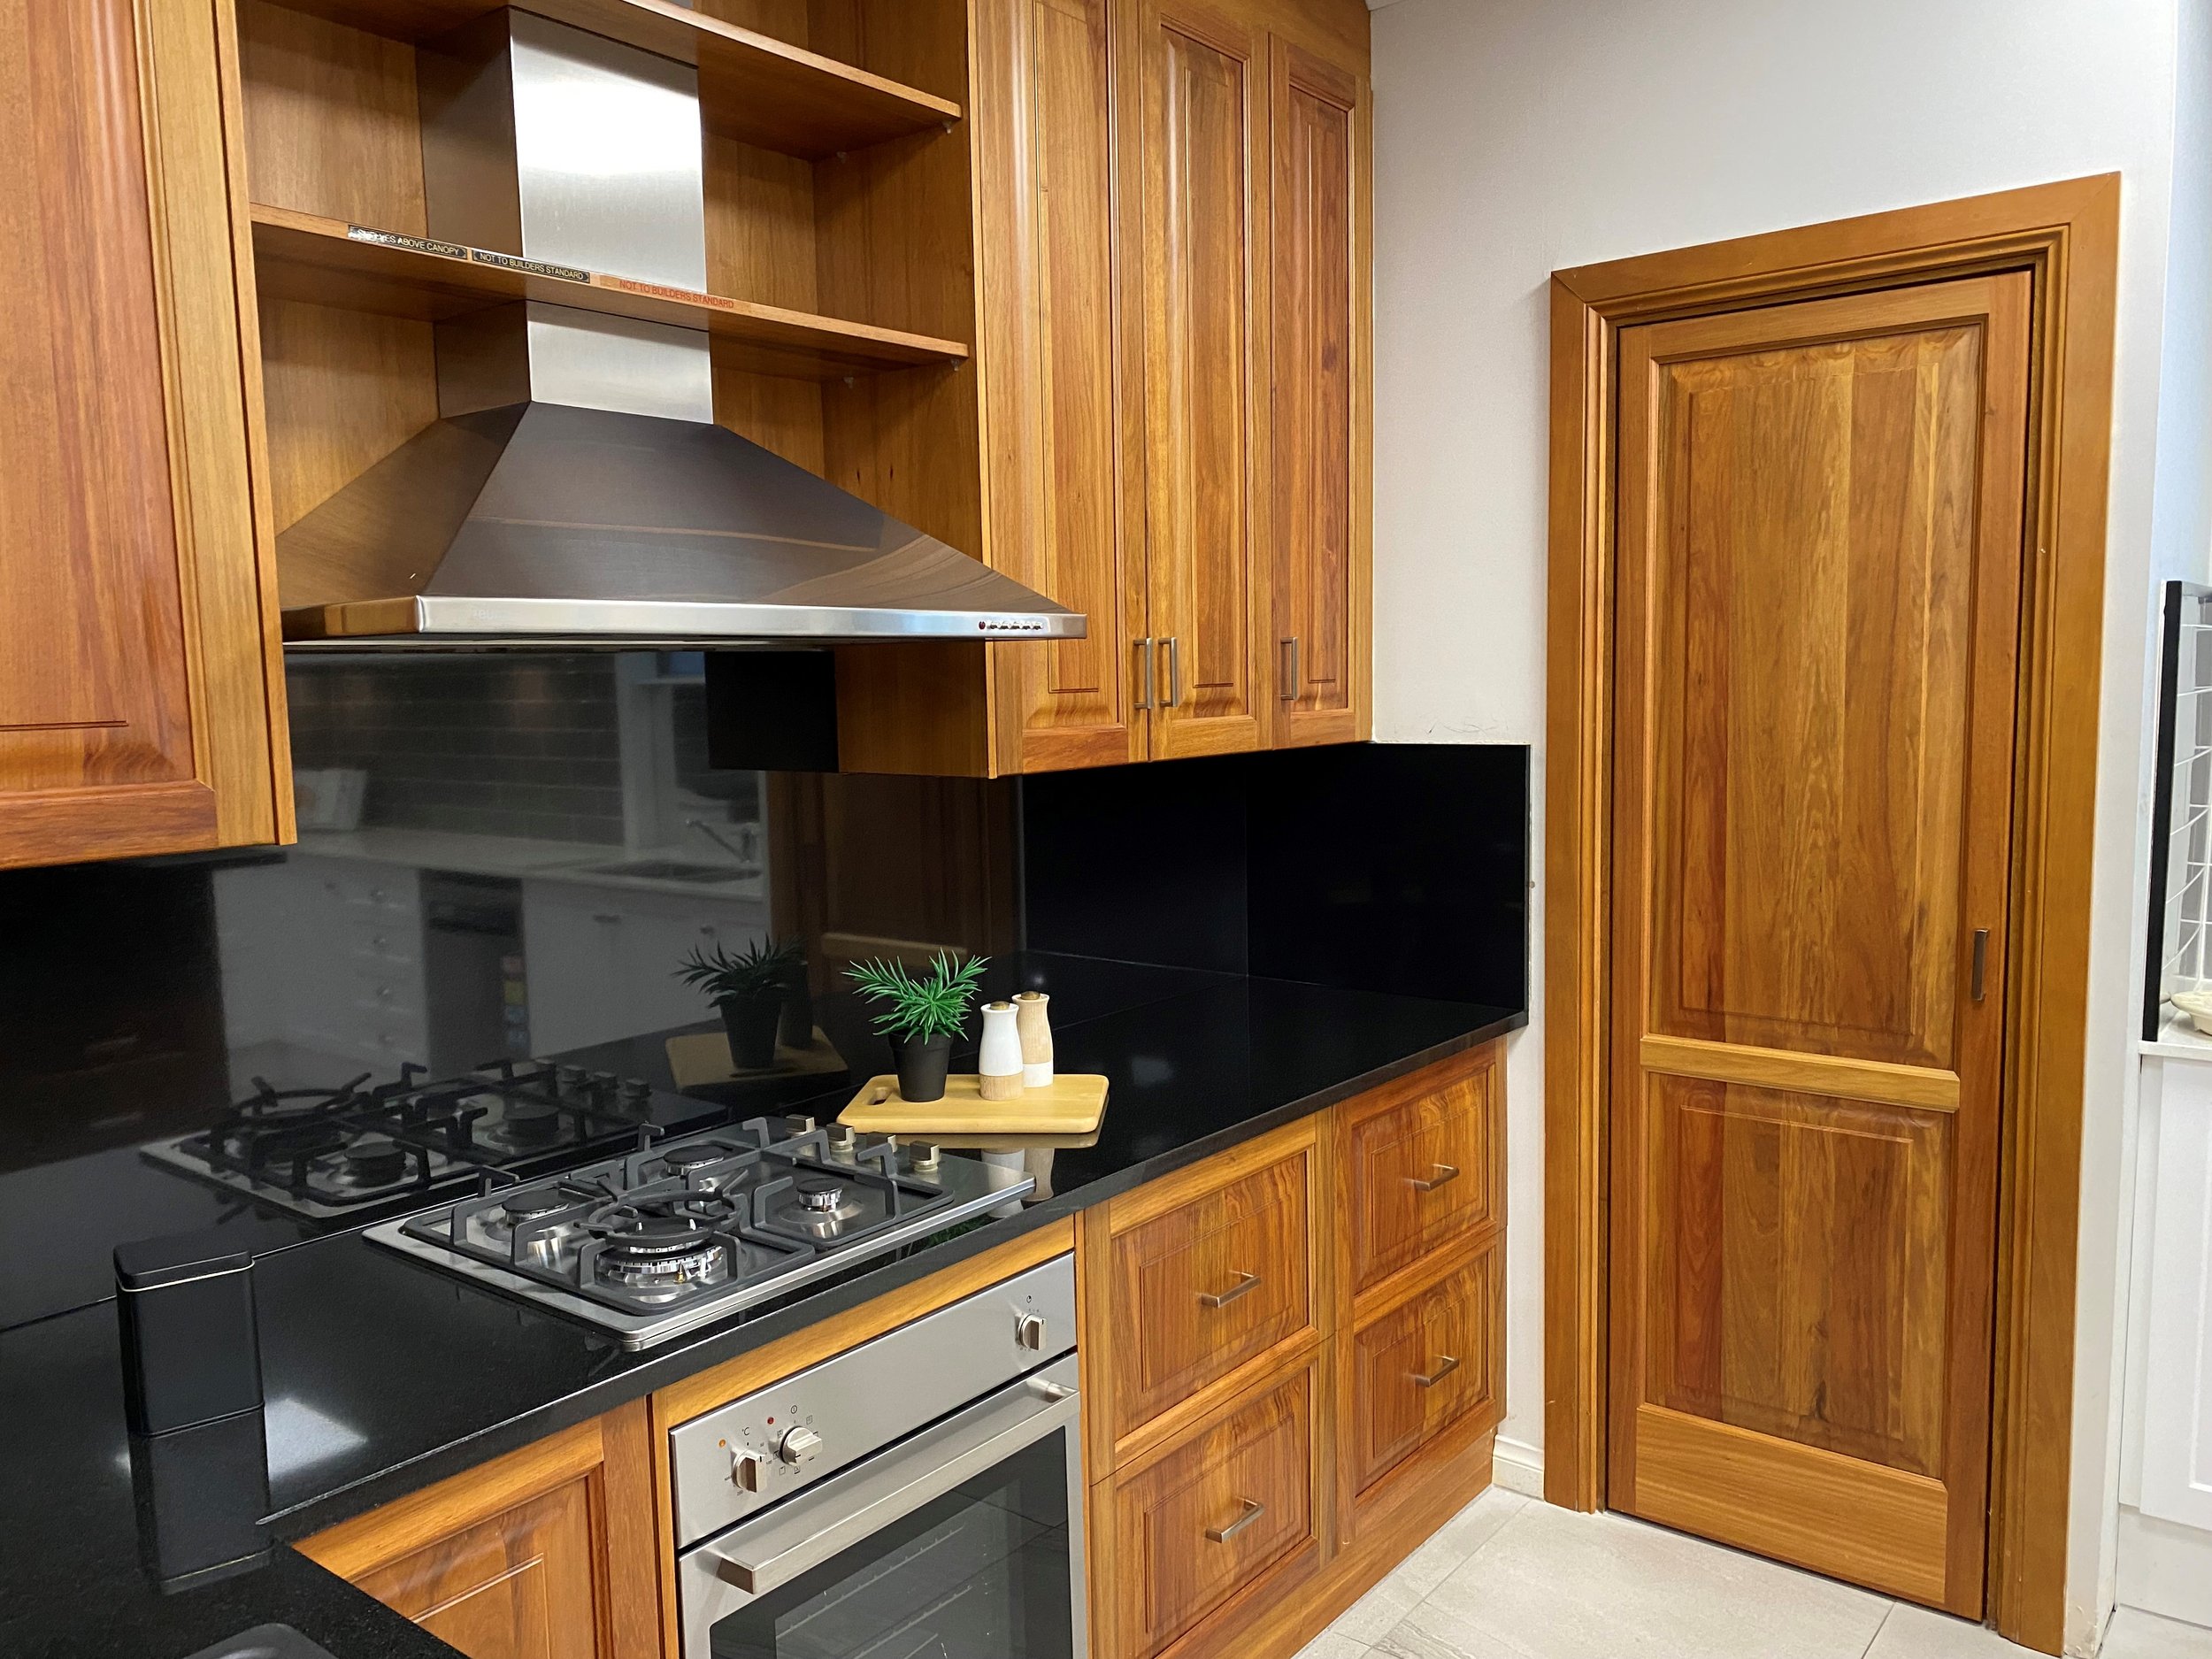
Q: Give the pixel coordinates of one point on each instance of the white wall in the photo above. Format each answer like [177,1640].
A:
[1517,136]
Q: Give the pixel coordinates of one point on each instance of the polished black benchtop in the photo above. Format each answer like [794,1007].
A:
[382,1375]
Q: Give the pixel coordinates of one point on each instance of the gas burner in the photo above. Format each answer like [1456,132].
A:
[662,1256]
[329,1152]
[532,1123]
[372,1160]
[670,1237]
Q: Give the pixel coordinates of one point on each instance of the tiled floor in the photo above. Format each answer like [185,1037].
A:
[1511,1578]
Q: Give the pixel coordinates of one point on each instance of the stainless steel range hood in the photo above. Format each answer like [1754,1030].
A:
[576,490]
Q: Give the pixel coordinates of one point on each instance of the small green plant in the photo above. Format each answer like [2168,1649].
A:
[919,1007]
[764,968]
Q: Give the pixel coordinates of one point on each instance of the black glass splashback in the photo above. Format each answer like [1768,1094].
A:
[469,968]
[1399,867]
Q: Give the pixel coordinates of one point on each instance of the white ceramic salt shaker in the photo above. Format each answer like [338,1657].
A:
[1036,1035]
[1000,1065]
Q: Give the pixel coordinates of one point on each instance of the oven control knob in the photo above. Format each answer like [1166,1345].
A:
[1029,1330]
[799,1444]
[746,1467]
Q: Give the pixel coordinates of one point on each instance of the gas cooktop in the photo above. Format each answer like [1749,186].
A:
[318,1153]
[653,1243]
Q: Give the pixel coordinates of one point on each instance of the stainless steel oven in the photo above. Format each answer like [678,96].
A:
[917,1497]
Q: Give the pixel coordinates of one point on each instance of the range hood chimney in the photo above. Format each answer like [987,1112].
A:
[575,489]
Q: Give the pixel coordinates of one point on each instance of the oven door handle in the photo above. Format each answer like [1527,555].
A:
[811,1527]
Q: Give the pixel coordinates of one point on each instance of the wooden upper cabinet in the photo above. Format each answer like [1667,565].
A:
[1174,325]
[1204,109]
[140,688]
[1319,545]
[1066,433]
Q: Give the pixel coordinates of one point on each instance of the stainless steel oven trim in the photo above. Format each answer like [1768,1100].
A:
[865,1399]
[764,1552]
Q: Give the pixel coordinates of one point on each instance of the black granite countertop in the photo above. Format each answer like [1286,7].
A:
[382,1375]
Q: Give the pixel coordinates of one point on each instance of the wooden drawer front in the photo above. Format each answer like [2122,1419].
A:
[516,1587]
[1418,1169]
[1446,1334]
[1209,1284]
[1187,1533]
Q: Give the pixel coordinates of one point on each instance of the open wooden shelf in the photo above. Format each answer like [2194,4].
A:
[752,87]
[304,256]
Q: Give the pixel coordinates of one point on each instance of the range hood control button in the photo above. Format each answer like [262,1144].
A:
[798,1445]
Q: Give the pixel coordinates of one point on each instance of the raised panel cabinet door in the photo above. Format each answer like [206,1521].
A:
[1204,111]
[136,660]
[1213,1515]
[1420,1166]
[1320,527]
[1209,1286]
[516,1587]
[1820,534]
[1419,1367]
[1066,433]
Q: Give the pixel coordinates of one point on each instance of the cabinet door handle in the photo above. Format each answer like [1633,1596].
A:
[1289,691]
[1246,1283]
[1223,1534]
[1981,961]
[1145,653]
[1174,670]
[1445,1367]
[604,915]
[1446,1174]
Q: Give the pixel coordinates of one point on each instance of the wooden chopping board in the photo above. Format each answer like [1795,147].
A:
[1068,1105]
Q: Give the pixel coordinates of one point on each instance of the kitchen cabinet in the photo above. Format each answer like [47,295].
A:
[1319,539]
[1175,237]
[1343,1417]
[547,1553]
[141,700]
[1203,114]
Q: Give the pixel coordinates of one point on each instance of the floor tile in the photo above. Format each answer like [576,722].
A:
[1402,1590]
[1555,1585]
[1329,1645]
[2135,1634]
[1915,1633]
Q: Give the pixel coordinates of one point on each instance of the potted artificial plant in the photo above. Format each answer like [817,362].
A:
[748,991]
[921,1016]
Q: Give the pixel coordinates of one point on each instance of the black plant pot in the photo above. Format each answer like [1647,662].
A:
[922,1067]
[796,1030]
[751,1022]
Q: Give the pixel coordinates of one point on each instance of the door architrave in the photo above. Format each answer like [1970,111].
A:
[2066,235]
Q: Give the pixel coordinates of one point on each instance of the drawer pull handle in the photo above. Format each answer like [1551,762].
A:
[1445,1367]
[1223,1534]
[1246,1282]
[1446,1173]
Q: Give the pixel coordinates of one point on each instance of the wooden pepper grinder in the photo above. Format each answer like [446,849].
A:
[999,1066]
[1036,1035]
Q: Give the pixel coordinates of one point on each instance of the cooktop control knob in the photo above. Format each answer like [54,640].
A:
[798,1444]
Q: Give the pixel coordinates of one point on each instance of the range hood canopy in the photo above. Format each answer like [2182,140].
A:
[575,490]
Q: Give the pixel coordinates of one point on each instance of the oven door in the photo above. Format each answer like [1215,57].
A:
[963,1541]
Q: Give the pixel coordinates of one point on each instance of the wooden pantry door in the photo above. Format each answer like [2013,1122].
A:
[1819,567]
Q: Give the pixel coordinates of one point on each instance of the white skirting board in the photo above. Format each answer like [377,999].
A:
[1517,1467]
[2164,1567]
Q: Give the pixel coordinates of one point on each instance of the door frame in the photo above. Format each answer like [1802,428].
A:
[2066,235]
